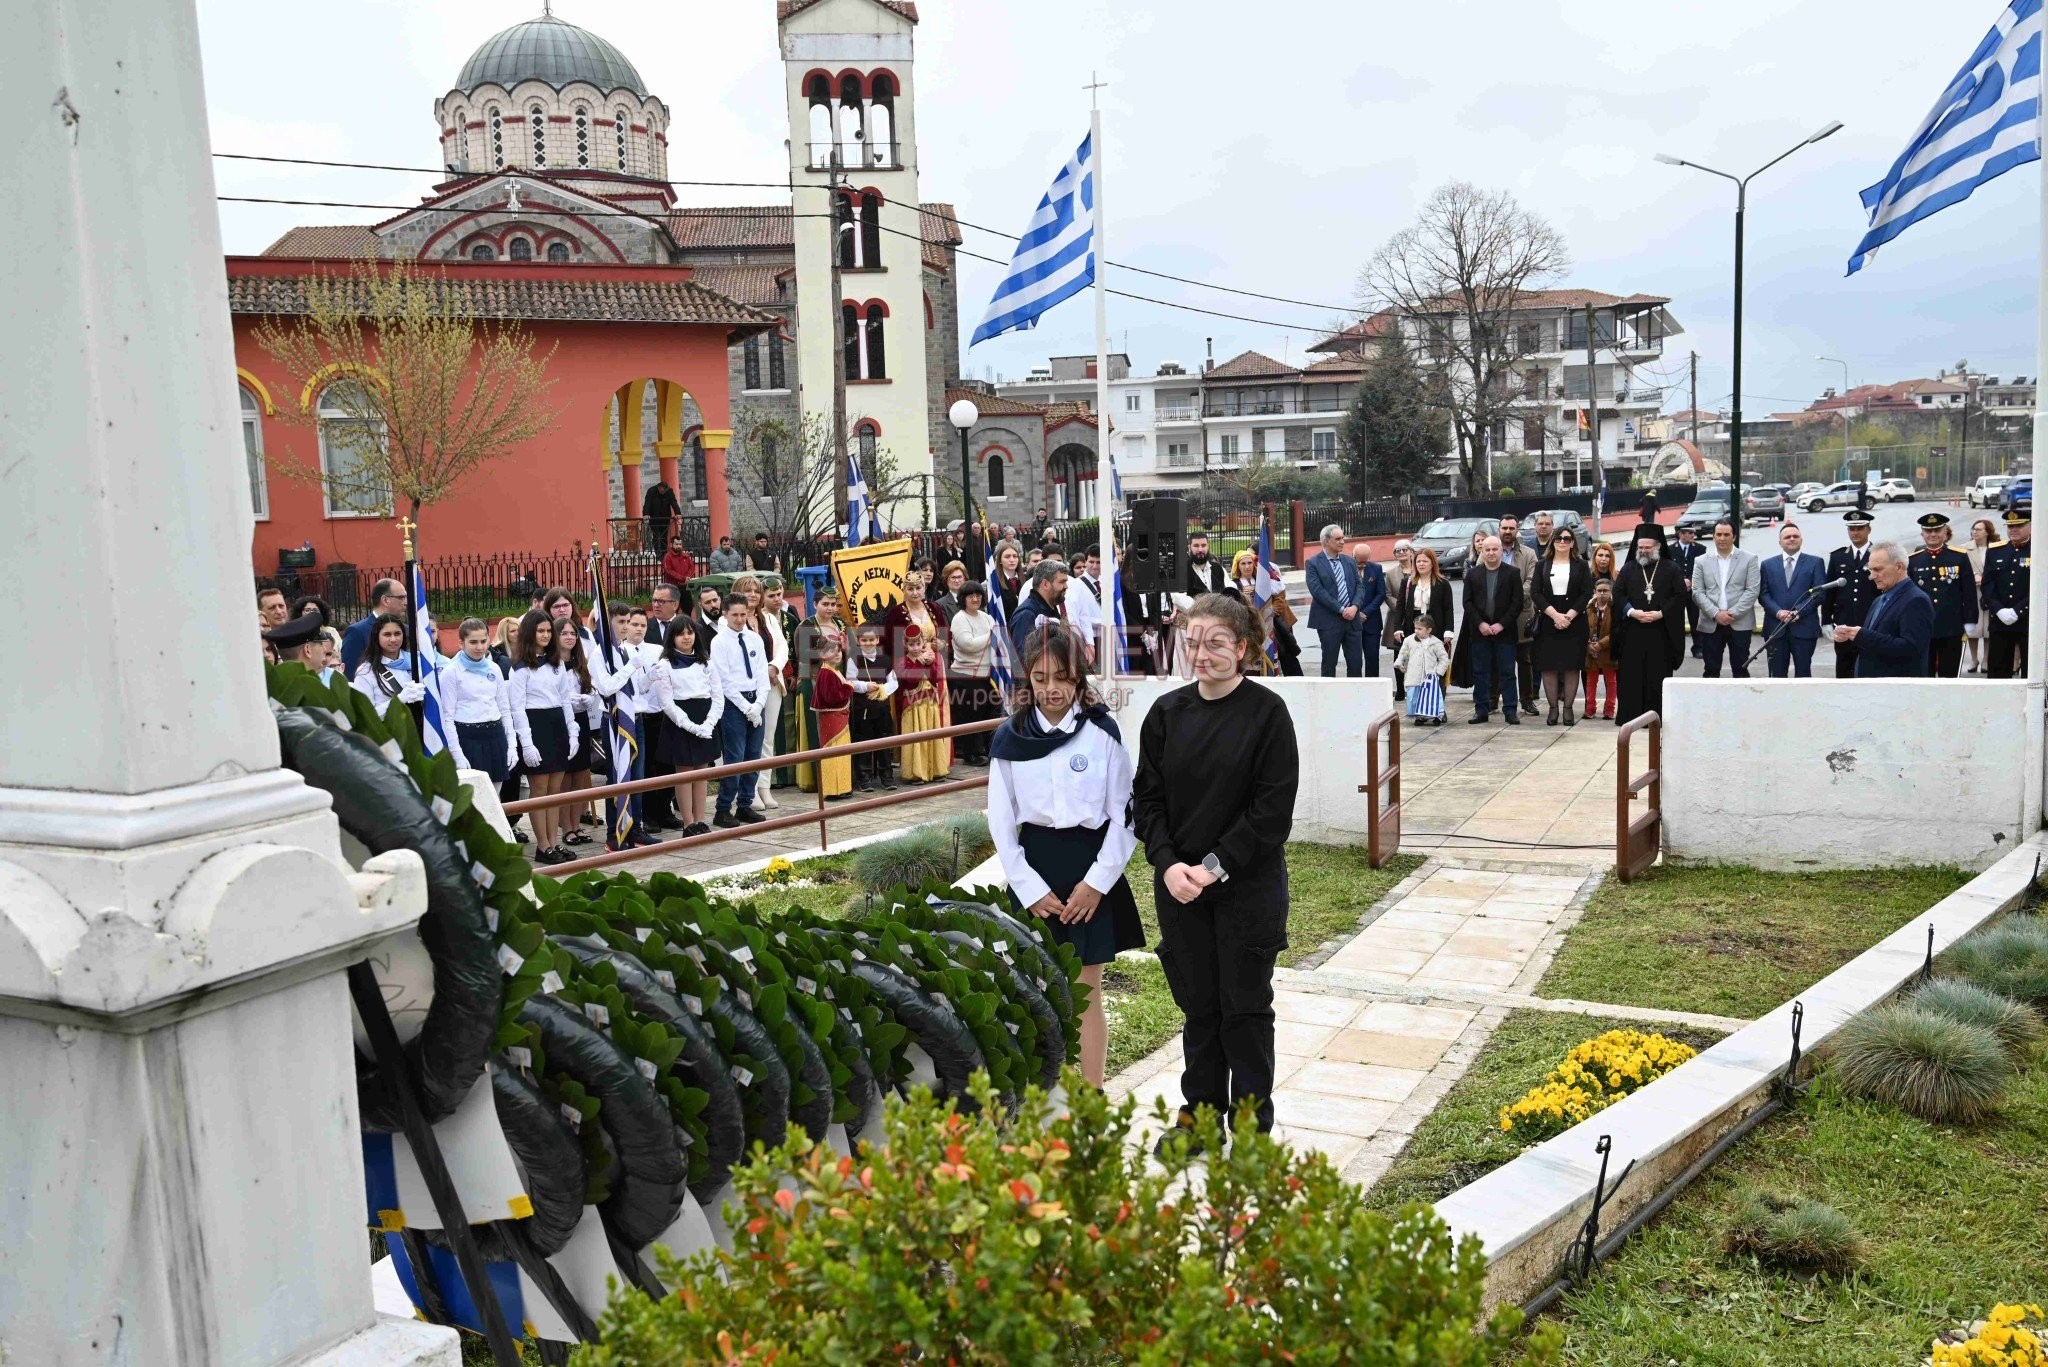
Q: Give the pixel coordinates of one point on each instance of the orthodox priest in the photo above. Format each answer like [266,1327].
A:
[1649,627]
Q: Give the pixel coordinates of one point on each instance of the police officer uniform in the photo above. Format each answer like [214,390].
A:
[1846,606]
[2007,572]
[1945,577]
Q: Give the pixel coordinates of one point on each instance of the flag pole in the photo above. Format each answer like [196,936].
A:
[1105,486]
[406,527]
[2037,582]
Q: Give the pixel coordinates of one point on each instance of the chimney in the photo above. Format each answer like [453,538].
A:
[1209,361]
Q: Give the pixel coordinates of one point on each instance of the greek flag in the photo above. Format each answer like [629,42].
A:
[999,640]
[625,744]
[426,662]
[1986,122]
[860,510]
[1266,583]
[1055,258]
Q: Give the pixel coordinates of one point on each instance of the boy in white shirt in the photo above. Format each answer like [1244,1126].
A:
[740,662]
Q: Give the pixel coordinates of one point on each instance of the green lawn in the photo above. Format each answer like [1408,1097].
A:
[1461,1139]
[1953,1218]
[1732,941]
[833,874]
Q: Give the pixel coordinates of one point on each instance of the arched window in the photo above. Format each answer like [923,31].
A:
[519,249]
[537,122]
[995,477]
[818,90]
[851,108]
[353,475]
[849,319]
[497,123]
[558,251]
[846,230]
[867,437]
[582,136]
[875,366]
[622,124]
[882,120]
[458,149]
[778,368]
[870,229]
[483,251]
[252,447]
[751,354]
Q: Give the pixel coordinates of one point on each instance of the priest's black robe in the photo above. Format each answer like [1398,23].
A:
[1647,653]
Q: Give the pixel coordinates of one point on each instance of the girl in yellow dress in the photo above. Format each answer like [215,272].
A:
[921,706]
[830,694]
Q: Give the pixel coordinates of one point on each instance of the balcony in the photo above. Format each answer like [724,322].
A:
[1177,412]
[854,156]
[1181,460]
[1621,396]
[1229,405]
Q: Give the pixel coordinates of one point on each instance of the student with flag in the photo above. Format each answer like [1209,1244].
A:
[739,660]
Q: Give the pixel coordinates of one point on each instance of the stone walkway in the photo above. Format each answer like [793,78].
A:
[1493,790]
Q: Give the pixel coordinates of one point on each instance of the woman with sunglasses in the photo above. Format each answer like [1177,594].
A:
[1561,588]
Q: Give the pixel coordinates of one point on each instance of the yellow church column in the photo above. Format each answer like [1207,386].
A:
[668,441]
[629,453]
[716,440]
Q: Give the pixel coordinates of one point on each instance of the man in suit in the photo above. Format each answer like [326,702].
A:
[1336,606]
[1683,555]
[1724,588]
[1514,553]
[1846,606]
[1788,584]
[2008,570]
[1945,576]
[1048,589]
[1892,643]
[387,596]
[1397,584]
[1493,608]
[1205,575]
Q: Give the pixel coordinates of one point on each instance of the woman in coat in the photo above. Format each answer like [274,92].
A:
[1461,649]
[1425,593]
[1560,588]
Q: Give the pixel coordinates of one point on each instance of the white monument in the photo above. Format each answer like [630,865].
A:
[180,1170]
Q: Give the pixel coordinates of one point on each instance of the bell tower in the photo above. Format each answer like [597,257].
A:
[851,89]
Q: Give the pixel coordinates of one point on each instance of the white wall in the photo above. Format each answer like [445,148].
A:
[1831,773]
[1330,721]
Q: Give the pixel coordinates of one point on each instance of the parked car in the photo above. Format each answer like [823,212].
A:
[1782,489]
[1763,503]
[1709,505]
[1847,494]
[1985,493]
[1796,495]
[1560,517]
[1450,540]
[1898,491]
[2018,493]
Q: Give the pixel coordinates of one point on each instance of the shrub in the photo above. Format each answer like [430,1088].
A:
[2002,1339]
[1795,1234]
[1046,1237]
[911,859]
[2010,958]
[1928,1064]
[2017,1025]
[975,842]
[1593,1076]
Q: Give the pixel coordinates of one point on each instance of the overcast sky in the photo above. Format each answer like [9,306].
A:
[1272,146]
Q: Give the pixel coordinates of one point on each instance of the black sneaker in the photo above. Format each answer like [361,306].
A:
[1511,718]
[697,828]
[888,785]
[725,821]
[748,816]
[1183,1132]
[1479,720]
[864,786]
[641,838]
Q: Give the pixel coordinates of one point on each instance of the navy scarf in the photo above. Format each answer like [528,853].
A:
[1023,738]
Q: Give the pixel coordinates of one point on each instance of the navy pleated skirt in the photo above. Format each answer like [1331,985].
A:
[1062,856]
[483,745]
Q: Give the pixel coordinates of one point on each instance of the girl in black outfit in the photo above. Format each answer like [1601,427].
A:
[1214,801]
[1561,588]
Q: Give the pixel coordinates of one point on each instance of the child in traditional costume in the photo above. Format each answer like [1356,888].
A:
[872,716]
[831,696]
[921,706]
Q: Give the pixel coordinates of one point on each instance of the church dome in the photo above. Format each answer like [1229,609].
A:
[547,49]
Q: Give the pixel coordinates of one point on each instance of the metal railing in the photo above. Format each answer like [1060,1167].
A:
[1177,412]
[711,775]
[1638,840]
[1382,789]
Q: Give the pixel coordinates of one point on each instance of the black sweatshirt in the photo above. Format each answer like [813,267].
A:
[1216,778]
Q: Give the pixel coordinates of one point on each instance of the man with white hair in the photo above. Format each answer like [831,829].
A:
[1892,642]
[1344,607]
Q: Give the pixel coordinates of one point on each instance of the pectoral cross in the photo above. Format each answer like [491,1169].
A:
[406,527]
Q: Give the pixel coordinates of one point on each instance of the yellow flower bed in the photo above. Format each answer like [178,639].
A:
[779,870]
[2001,1340]
[1593,1076]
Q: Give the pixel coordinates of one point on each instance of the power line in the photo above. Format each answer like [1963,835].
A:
[790,185]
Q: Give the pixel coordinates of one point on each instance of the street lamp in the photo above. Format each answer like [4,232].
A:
[1741,206]
[1835,360]
[963,415]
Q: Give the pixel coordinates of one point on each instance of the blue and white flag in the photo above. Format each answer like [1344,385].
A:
[1055,258]
[1986,122]
[999,639]
[860,509]
[426,662]
[1267,584]
[625,744]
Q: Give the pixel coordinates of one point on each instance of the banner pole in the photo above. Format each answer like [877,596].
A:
[1105,482]
[2036,759]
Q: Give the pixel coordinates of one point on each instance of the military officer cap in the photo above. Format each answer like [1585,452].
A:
[1858,517]
[299,631]
[1933,520]
[2017,517]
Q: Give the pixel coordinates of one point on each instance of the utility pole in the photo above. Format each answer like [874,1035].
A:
[839,353]
[1694,407]
[1593,426]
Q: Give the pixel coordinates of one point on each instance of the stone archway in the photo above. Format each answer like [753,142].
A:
[1070,480]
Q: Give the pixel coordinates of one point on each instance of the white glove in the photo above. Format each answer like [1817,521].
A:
[412,692]
[575,741]
[861,686]
[530,755]
[2008,616]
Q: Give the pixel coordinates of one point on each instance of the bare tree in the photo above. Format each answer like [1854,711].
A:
[412,389]
[1454,278]
[787,473]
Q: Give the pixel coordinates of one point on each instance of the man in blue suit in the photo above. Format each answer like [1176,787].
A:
[1344,607]
[1789,592]
[1892,642]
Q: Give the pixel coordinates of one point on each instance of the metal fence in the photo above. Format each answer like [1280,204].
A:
[486,586]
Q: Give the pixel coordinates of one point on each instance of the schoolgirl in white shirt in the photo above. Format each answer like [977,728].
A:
[542,697]
[1059,810]
[387,668]
[690,696]
[476,706]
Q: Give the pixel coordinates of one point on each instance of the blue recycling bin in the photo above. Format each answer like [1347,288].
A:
[814,577]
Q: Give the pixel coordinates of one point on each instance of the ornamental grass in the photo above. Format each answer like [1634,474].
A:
[2000,1339]
[911,860]
[2018,1026]
[1592,1077]
[2009,958]
[1928,1064]
[1794,1234]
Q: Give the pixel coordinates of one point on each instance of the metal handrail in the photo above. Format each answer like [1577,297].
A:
[1639,840]
[713,773]
[1381,819]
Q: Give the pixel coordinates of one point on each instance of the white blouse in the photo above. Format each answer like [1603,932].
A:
[468,697]
[1560,578]
[365,680]
[1052,792]
[972,633]
[679,684]
[543,686]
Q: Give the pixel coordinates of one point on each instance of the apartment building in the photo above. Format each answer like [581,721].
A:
[1155,420]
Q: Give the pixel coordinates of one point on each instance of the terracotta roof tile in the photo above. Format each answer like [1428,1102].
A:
[940,231]
[650,297]
[326,239]
[1060,414]
[1365,330]
[754,285]
[995,404]
[1249,365]
[785,8]
[739,226]
[1344,362]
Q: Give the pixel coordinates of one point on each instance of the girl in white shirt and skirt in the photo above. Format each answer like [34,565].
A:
[476,706]
[1059,810]
[690,697]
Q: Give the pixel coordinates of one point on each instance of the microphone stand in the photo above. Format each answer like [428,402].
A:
[1797,613]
